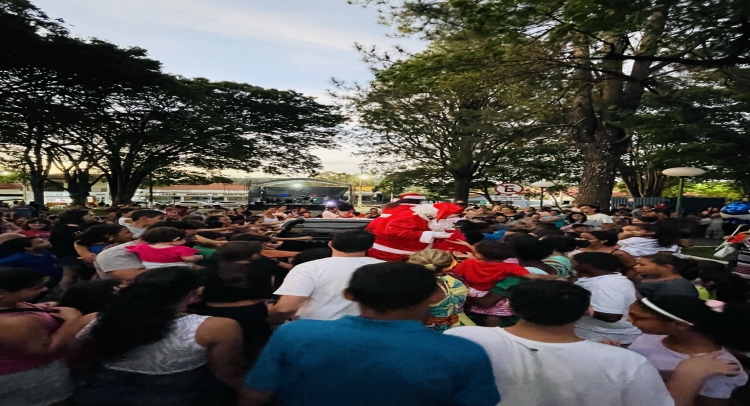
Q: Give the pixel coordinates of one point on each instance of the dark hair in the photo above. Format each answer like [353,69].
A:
[549,303]
[473,237]
[211,235]
[142,312]
[311,255]
[227,282]
[237,251]
[391,285]
[546,231]
[163,234]
[192,217]
[37,220]
[90,296]
[728,328]
[593,206]
[353,241]
[610,239]
[494,250]
[17,279]
[688,269]
[18,244]
[139,214]
[561,243]
[519,231]
[250,237]
[570,219]
[528,248]
[72,217]
[665,234]
[98,234]
[180,225]
[468,225]
[600,261]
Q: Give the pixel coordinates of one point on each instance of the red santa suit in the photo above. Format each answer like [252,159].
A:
[406,233]
[391,211]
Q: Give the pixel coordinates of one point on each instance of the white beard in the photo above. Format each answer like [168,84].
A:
[441,225]
[425,211]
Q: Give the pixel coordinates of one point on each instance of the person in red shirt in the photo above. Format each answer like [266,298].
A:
[484,272]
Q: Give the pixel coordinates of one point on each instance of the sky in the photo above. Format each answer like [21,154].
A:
[284,44]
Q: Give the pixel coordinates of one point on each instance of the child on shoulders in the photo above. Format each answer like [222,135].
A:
[165,246]
[484,272]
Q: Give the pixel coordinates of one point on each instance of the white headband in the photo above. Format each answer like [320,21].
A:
[662,311]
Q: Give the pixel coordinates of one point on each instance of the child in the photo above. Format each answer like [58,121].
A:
[677,328]
[207,251]
[481,275]
[611,296]
[163,247]
[448,312]
[96,238]
[32,253]
[715,227]
[662,275]
[37,228]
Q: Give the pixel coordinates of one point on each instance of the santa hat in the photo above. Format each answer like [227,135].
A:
[447,209]
[413,196]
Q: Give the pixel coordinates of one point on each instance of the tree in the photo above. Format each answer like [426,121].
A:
[591,40]
[460,123]
[208,125]
[89,105]
[48,83]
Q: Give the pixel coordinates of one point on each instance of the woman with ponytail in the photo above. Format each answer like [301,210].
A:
[148,351]
[677,328]
[448,312]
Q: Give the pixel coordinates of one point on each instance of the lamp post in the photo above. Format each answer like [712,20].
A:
[359,197]
[682,173]
[542,184]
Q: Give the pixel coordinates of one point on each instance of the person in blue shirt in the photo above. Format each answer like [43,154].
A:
[385,356]
[555,217]
[32,253]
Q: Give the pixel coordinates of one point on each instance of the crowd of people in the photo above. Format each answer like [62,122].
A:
[495,306]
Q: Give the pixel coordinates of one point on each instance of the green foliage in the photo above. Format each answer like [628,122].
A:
[708,189]
[577,49]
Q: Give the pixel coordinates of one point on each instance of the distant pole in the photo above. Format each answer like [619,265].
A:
[151,189]
[249,192]
[541,200]
[679,197]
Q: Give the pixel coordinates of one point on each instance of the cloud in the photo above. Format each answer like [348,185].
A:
[228,20]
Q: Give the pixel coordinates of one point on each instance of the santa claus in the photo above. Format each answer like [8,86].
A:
[404,204]
[423,226]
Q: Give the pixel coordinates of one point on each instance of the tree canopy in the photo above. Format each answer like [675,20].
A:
[595,58]
[84,107]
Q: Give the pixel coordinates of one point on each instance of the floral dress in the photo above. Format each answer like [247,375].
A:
[449,312]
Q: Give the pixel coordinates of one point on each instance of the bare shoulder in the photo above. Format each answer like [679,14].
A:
[217,329]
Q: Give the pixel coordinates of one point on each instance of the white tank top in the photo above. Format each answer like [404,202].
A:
[177,352]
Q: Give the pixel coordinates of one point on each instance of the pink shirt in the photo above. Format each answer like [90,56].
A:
[11,361]
[171,254]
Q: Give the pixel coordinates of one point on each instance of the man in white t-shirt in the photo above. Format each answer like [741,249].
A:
[593,215]
[541,362]
[611,297]
[314,290]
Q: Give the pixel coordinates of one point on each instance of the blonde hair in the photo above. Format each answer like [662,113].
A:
[433,260]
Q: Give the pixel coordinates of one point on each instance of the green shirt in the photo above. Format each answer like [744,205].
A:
[205,251]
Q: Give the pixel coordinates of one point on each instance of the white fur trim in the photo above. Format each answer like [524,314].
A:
[391,250]
[427,237]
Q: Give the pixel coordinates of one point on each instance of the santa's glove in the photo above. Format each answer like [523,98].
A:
[438,234]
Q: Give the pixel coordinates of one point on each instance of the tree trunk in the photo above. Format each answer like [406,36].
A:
[602,159]
[463,186]
[36,183]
